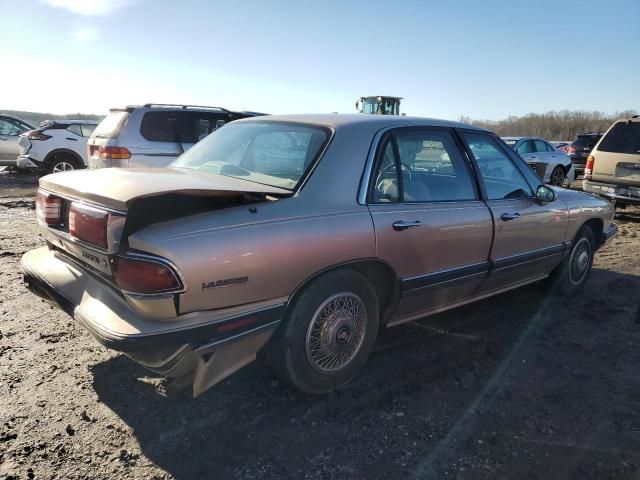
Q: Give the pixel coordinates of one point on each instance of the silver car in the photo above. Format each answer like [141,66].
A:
[555,165]
[302,235]
[10,130]
[153,135]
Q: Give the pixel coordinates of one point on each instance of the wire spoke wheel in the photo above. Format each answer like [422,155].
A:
[580,261]
[336,332]
[62,167]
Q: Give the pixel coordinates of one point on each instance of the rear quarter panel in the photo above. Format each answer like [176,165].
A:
[275,248]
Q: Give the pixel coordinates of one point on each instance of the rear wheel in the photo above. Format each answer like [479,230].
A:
[557,176]
[572,273]
[327,334]
[62,163]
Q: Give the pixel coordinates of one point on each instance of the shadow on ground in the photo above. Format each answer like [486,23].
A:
[523,384]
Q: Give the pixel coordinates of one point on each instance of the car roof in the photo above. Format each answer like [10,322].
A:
[340,120]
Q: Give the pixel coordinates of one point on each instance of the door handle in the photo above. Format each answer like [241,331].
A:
[402,225]
[72,139]
[509,216]
[533,156]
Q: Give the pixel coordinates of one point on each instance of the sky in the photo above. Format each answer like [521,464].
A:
[483,59]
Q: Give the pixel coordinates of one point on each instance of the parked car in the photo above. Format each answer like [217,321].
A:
[153,135]
[580,149]
[302,235]
[613,167]
[557,168]
[10,129]
[56,145]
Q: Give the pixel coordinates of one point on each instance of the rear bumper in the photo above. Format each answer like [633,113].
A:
[211,345]
[620,193]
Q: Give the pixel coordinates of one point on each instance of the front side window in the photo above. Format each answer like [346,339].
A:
[9,128]
[624,137]
[501,177]
[270,153]
[431,168]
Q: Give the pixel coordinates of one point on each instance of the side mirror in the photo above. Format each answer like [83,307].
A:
[545,194]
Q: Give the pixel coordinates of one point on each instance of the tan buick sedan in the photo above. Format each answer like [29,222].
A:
[302,236]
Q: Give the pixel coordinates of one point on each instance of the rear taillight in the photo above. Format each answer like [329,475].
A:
[571,149]
[143,276]
[35,135]
[88,224]
[588,169]
[117,153]
[48,208]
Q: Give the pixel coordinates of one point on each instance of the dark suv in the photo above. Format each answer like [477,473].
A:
[580,149]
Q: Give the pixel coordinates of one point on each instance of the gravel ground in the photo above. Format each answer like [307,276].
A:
[518,386]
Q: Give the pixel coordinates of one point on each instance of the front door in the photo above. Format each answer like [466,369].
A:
[529,237]
[430,223]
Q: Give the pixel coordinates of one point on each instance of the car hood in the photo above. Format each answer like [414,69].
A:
[116,188]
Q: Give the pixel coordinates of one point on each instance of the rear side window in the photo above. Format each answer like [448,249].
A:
[198,125]
[162,127]
[586,141]
[526,147]
[624,137]
[541,146]
[75,128]
[87,130]
[112,124]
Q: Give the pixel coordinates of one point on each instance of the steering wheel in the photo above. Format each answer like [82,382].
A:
[382,174]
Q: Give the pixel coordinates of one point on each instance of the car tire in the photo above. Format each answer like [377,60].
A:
[557,176]
[327,334]
[571,275]
[61,162]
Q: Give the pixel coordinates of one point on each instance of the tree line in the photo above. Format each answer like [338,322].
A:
[35,118]
[553,125]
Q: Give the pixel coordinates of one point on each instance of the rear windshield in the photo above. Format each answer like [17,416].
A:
[586,141]
[271,153]
[111,125]
[624,137]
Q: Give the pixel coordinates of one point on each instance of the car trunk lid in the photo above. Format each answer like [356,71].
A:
[117,188]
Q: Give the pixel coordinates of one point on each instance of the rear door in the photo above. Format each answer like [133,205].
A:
[430,222]
[617,156]
[159,141]
[529,238]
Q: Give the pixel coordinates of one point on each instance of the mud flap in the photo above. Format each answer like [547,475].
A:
[215,363]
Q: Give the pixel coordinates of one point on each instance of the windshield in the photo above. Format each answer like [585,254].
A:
[270,153]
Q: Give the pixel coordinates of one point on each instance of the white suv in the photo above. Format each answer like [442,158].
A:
[56,146]
[153,135]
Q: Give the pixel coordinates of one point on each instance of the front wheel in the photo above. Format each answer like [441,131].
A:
[570,276]
[327,334]
[557,177]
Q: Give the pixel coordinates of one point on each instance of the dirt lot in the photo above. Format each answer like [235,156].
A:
[518,386]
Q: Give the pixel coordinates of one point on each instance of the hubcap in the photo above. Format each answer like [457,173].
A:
[336,332]
[579,262]
[62,167]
